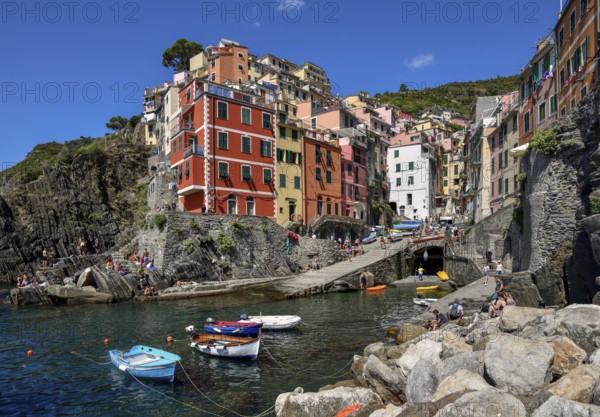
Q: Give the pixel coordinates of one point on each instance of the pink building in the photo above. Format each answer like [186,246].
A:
[354,172]
[408,138]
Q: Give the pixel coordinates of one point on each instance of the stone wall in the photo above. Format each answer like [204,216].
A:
[227,247]
[490,233]
[553,244]
[462,271]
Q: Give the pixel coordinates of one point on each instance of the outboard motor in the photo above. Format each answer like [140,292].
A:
[244,317]
[190,330]
[210,320]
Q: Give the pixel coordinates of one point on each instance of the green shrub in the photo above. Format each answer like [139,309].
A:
[522,178]
[194,225]
[544,141]
[595,205]
[177,230]
[188,244]
[264,227]
[159,220]
[239,227]
[225,243]
[518,217]
[206,239]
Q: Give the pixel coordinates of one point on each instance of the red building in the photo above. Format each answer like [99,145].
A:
[224,151]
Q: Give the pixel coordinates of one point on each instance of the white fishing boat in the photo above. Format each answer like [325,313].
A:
[273,322]
[424,301]
[223,345]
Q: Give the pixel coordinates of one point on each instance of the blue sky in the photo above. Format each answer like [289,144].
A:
[68,66]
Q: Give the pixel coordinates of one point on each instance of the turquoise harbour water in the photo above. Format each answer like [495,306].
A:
[56,382]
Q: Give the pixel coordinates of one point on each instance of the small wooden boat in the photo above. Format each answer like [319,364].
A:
[224,346]
[424,301]
[443,276]
[285,322]
[234,328]
[377,288]
[429,288]
[146,362]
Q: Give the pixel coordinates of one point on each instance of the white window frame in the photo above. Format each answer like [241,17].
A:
[226,110]
[242,115]
[242,144]
[219,139]
[219,169]
[242,172]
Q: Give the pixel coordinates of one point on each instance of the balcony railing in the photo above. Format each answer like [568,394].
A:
[193,150]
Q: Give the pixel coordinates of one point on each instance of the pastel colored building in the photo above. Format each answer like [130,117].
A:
[353,144]
[576,35]
[224,151]
[322,177]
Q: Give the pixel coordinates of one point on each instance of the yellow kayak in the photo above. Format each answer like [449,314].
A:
[443,276]
[430,288]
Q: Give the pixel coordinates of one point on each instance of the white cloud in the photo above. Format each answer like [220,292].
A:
[420,61]
[257,24]
[285,4]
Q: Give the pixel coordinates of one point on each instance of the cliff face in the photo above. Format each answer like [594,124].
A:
[91,196]
[554,244]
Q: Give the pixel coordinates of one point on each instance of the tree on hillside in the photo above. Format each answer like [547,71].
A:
[179,54]
[403,88]
[133,122]
[117,123]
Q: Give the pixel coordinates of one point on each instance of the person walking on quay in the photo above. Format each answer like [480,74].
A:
[499,287]
[499,269]
[488,256]
[486,274]
[420,271]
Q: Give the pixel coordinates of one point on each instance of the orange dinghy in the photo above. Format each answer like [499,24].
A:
[377,288]
[350,409]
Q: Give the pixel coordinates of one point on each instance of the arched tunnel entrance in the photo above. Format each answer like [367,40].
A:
[433,264]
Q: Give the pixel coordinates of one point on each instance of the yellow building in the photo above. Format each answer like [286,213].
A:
[288,166]
[254,68]
[314,77]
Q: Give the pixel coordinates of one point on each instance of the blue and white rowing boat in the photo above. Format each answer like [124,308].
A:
[146,362]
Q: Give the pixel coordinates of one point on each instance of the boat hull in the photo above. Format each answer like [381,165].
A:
[429,288]
[377,288]
[426,302]
[285,322]
[226,346]
[146,362]
[443,276]
[241,329]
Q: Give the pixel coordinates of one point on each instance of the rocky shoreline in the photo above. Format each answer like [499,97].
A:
[527,362]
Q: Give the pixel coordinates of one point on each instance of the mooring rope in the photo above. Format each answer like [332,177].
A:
[336,374]
[89,359]
[264,413]
[171,398]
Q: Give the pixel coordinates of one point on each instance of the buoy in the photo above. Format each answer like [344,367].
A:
[30,353]
[170,339]
[106,341]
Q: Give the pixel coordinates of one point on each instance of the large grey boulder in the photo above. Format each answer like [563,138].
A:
[388,383]
[515,318]
[378,349]
[460,382]
[422,382]
[73,295]
[470,361]
[425,349]
[390,411]
[517,365]
[577,385]
[485,403]
[562,407]
[483,328]
[408,332]
[567,356]
[595,357]
[86,278]
[591,225]
[326,403]
[579,322]
[357,369]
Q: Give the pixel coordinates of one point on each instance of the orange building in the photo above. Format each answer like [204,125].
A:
[322,177]
[577,46]
[226,62]
[224,151]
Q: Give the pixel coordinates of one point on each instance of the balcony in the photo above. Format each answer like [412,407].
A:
[193,150]
[475,163]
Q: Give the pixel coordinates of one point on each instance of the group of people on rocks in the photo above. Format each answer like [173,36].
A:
[88,247]
[500,298]
[455,312]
